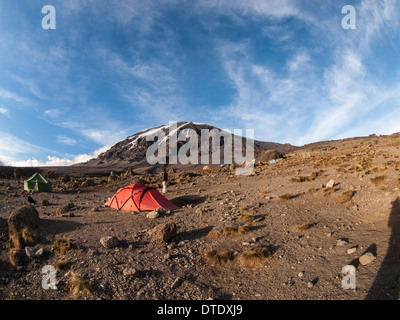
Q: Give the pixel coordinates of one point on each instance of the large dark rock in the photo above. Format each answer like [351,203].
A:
[25,217]
[269,155]
[163,232]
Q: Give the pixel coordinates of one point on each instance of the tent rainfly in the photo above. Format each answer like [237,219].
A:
[37,183]
[137,197]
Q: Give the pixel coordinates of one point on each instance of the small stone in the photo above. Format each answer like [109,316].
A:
[129,272]
[330,184]
[159,210]
[109,242]
[30,252]
[68,214]
[65,209]
[176,283]
[39,253]
[152,215]
[341,242]
[45,203]
[310,284]
[167,256]
[352,250]
[367,258]
[33,253]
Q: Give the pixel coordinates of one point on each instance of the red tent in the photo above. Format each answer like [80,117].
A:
[137,197]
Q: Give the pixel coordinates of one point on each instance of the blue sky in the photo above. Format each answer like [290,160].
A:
[286,69]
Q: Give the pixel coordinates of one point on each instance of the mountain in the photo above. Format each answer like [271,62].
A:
[131,152]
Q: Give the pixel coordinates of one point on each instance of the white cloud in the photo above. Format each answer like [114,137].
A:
[276,9]
[54,160]
[9,95]
[103,136]
[66,140]
[52,113]
[4,111]
[10,144]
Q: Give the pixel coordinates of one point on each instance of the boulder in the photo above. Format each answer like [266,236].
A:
[366,258]
[109,242]
[65,209]
[88,183]
[66,179]
[268,155]
[163,232]
[25,217]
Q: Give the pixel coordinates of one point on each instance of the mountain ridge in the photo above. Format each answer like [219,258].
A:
[131,152]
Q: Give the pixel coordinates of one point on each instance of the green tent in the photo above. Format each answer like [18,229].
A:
[37,183]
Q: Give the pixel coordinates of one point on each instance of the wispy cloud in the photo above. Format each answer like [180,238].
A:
[54,160]
[12,147]
[310,101]
[275,9]
[66,140]
[4,111]
[5,94]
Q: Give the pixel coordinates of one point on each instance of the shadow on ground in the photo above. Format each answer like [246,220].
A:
[386,285]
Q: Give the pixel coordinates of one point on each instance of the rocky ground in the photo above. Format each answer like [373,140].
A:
[284,232]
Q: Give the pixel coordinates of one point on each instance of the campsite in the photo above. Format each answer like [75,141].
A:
[284,232]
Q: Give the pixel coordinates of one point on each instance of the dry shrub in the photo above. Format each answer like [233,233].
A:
[346,196]
[246,218]
[214,234]
[235,231]
[246,210]
[19,240]
[301,179]
[357,167]
[228,231]
[328,191]
[62,246]
[61,264]
[215,257]
[379,180]
[286,196]
[255,256]
[304,227]
[317,174]
[16,256]
[78,286]
[311,190]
